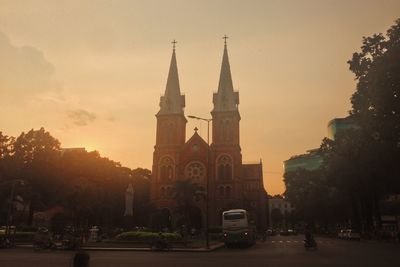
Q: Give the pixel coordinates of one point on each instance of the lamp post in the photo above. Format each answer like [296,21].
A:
[208,173]
[208,126]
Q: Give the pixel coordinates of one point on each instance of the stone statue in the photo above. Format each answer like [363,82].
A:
[129,194]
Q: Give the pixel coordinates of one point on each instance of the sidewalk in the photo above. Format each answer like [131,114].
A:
[213,247]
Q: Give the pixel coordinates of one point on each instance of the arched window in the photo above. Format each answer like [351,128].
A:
[170,173]
[163,172]
[221,172]
[224,168]
[228,171]
[166,169]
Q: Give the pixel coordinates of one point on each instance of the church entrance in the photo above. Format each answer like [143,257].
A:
[191,221]
[161,219]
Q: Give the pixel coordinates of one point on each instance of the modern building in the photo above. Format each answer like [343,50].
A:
[338,125]
[217,166]
[312,160]
[284,207]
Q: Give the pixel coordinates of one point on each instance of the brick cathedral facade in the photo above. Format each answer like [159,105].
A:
[231,184]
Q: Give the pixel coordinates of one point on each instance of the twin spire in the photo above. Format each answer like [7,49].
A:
[173,102]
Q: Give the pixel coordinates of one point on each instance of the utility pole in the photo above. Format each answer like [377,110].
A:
[208,177]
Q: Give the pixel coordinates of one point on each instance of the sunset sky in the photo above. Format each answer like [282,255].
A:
[92,72]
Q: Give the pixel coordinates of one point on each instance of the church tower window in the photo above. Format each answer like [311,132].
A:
[166,170]
[224,168]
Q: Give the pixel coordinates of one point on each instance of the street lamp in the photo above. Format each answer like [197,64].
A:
[208,173]
[208,126]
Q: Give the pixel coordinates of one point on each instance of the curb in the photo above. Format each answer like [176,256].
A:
[212,248]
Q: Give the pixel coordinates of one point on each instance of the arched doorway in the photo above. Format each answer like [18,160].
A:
[195,218]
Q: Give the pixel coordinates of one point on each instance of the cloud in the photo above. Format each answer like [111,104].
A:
[24,70]
[81,117]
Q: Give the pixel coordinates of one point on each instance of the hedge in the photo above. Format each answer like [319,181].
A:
[147,236]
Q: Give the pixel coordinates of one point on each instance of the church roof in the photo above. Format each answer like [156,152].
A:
[172,102]
[196,138]
[226,99]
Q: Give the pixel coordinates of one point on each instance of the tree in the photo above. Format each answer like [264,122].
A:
[187,194]
[376,102]
[5,170]
[350,167]
[35,154]
[276,217]
[5,146]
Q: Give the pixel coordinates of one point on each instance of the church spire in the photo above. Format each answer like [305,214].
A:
[172,102]
[225,99]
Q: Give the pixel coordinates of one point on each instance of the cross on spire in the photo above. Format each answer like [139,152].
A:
[173,44]
[225,37]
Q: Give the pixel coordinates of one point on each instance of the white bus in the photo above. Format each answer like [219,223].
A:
[237,228]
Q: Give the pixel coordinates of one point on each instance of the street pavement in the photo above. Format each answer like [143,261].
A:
[275,252]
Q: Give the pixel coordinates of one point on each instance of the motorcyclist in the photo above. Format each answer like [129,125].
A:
[42,238]
[70,241]
[309,237]
[161,242]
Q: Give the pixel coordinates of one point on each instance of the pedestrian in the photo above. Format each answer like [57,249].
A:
[81,259]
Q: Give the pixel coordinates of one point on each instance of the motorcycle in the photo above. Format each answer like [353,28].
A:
[5,242]
[44,244]
[43,240]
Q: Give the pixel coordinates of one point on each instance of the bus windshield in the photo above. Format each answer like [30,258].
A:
[234,216]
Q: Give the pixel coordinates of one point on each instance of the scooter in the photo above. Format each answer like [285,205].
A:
[5,242]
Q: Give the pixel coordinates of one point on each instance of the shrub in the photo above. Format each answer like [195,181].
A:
[146,236]
[22,236]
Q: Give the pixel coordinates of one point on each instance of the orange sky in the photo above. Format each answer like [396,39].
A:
[92,73]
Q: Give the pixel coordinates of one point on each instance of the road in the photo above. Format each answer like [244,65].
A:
[277,251]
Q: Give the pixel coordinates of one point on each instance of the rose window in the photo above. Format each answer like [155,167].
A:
[195,171]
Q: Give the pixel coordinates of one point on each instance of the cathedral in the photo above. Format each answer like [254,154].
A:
[217,166]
